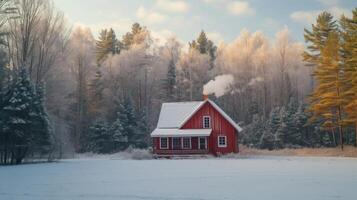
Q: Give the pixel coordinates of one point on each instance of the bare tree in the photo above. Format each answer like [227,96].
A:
[36,36]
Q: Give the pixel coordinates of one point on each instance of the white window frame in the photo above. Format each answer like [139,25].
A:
[225,140]
[209,121]
[199,146]
[172,142]
[190,147]
[167,142]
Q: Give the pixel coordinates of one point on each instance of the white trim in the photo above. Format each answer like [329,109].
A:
[167,142]
[190,139]
[209,121]
[181,132]
[199,146]
[225,141]
[172,141]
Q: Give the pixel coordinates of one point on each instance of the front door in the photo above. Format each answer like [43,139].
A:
[202,143]
[176,143]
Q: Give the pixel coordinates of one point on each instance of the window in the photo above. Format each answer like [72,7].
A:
[206,122]
[176,143]
[164,143]
[186,143]
[222,141]
[202,143]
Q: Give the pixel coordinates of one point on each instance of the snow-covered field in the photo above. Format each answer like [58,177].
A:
[291,178]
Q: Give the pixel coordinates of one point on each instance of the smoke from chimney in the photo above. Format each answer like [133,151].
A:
[219,85]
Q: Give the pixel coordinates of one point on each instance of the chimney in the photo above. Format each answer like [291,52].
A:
[205,97]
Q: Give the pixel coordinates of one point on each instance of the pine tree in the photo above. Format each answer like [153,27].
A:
[130,38]
[317,38]
[106,44]
[99,138]
[126,115]
[25,124]
[326,100]
[170,81]
[119,140]
[274,120]
[293,135]
[96,88]
[323,54]
[141,137]
[349,64]
[267,140]
[205,46]
[254,131]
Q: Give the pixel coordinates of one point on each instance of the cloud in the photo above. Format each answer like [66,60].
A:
[150,17]
[328,2]
[120,26]
[304,17]
[216,37]
[162,36]
[177,6]
[309,17]
[240,8]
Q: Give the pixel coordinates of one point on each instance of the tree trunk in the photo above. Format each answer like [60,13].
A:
[334,137]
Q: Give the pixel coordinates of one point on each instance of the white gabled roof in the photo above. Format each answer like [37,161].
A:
[175,115]
[181,132]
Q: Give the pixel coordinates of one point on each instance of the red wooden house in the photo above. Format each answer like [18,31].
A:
[198,127]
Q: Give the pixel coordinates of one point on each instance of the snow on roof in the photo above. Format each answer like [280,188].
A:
[175,115]
[172,115]
[180,132]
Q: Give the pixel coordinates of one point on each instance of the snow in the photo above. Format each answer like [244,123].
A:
[181,132]
[173,115]
[267,178]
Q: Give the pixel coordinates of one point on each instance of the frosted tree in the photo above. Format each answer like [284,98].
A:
[25,126]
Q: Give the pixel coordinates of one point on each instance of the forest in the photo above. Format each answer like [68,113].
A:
[65,89]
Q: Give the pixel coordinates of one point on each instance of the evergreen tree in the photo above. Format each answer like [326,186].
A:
[267,140]
[25,125]
[106,44]
[349,64]
[254,131]
[141,138]
[205,46]
[293,135]
[170,81]
[326,100]
[274,120]
[127,117]
[316,38]
[119,140]
[131,38]
[99,138]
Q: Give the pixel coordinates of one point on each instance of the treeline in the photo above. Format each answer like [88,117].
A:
[327,117]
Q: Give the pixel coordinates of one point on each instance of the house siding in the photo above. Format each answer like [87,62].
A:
[219,126]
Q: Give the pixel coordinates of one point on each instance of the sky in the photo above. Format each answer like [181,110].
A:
[222,20]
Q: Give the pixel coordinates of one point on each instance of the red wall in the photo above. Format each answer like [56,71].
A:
[219,125]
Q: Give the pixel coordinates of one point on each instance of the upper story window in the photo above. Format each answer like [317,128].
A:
[206,122]
[222,141]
